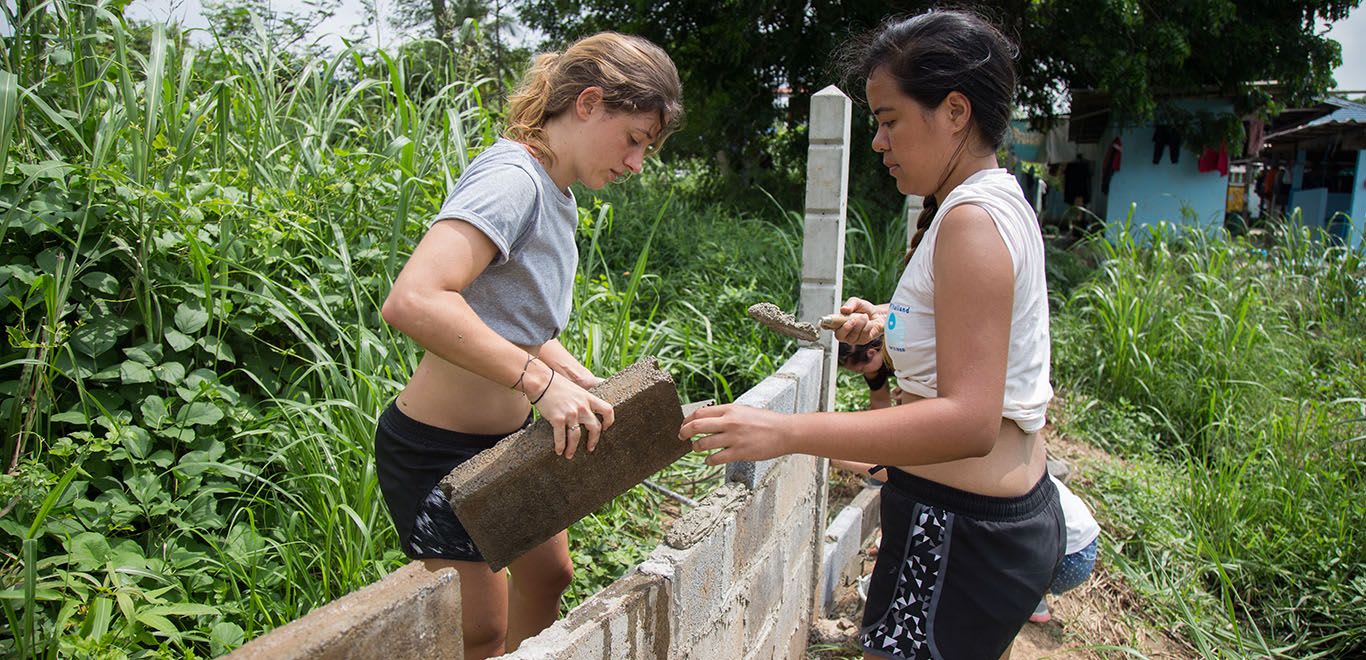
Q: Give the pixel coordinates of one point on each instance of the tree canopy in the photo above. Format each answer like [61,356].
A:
[733,56]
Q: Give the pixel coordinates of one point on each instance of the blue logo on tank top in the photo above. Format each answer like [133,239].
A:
[896,334]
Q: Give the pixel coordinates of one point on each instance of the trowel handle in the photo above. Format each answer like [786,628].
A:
[833,321]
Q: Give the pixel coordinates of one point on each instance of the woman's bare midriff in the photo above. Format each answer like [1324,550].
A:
[444,395]
[1012,468]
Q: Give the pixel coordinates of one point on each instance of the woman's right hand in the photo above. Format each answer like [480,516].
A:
[570,410]
[863,324]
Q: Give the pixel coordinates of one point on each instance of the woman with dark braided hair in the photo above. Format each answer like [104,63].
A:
[972,528]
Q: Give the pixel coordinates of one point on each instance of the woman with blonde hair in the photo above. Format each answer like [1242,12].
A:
[487,291]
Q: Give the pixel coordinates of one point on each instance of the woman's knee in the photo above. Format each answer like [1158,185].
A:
[483,621]
[550,579]
[484,642]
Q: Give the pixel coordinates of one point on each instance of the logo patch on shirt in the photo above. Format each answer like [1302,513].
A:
[896,332]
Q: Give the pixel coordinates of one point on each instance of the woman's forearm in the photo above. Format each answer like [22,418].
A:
[443,323]
[560,359]
[919,433]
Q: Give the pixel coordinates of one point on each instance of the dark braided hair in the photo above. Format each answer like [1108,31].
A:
[931,55]
[922,223]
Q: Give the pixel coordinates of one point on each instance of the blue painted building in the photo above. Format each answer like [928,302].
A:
[1158,189]
[1323,149]
[1315,158]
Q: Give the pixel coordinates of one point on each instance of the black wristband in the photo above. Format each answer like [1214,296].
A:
[547,388]
[878,381]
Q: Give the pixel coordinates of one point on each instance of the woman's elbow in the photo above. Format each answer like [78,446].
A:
[981,438]
[397,309]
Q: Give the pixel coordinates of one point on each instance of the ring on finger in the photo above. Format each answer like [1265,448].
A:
[575,427]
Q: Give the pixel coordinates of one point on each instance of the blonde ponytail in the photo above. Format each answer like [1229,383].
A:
[527,110]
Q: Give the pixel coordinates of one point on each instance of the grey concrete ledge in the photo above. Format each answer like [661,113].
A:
[846,536]
[412,613]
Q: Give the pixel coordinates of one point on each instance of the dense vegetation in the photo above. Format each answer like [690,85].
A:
[195,243]
[1230,376]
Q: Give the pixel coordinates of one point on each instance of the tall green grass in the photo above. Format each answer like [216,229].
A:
[194,247]
[1230,375]
[195,243]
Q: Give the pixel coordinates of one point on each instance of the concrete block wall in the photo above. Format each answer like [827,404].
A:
[735,577]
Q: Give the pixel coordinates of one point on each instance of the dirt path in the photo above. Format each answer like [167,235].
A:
[1100,619]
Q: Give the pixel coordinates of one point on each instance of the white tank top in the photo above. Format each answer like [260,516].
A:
[910,336]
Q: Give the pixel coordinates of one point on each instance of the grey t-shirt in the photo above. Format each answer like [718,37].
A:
[525,293]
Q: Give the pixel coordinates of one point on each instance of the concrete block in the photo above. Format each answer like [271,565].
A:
[847,524]
[522,479]
[869,501]
[805,366]
[772,393]
[843,540]
[749,473]
[703,568]
[628,619]
[796,480]
[755,530]
[800,544]
[797,640]
[761,591]
[761,646]
[802,548]
[412,613]
[723,638]
[788,620]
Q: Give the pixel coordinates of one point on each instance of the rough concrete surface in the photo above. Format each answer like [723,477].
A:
[520,493]
[699,522]
[770,316]
[628,619]
[412,613]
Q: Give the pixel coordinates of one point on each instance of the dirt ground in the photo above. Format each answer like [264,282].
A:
[1100,619]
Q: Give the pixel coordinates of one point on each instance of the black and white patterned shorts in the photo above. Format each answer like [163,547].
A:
[410,459]
[958,573]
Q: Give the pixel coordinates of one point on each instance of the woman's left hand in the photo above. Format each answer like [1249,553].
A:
[589,381]
[741,433]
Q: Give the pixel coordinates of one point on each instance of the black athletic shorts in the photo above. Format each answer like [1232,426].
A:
[410,460]
[957,573]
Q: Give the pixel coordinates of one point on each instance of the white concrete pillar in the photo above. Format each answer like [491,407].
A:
[827,203]
[827,193]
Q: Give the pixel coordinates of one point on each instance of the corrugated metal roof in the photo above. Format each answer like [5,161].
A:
[1348,112]
[1348,115]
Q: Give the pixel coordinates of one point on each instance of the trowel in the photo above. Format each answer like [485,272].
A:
[774,318]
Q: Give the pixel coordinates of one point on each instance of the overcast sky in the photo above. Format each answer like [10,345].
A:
[1351,32]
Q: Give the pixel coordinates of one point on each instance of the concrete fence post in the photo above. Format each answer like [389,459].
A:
[827,191]
[827,204]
